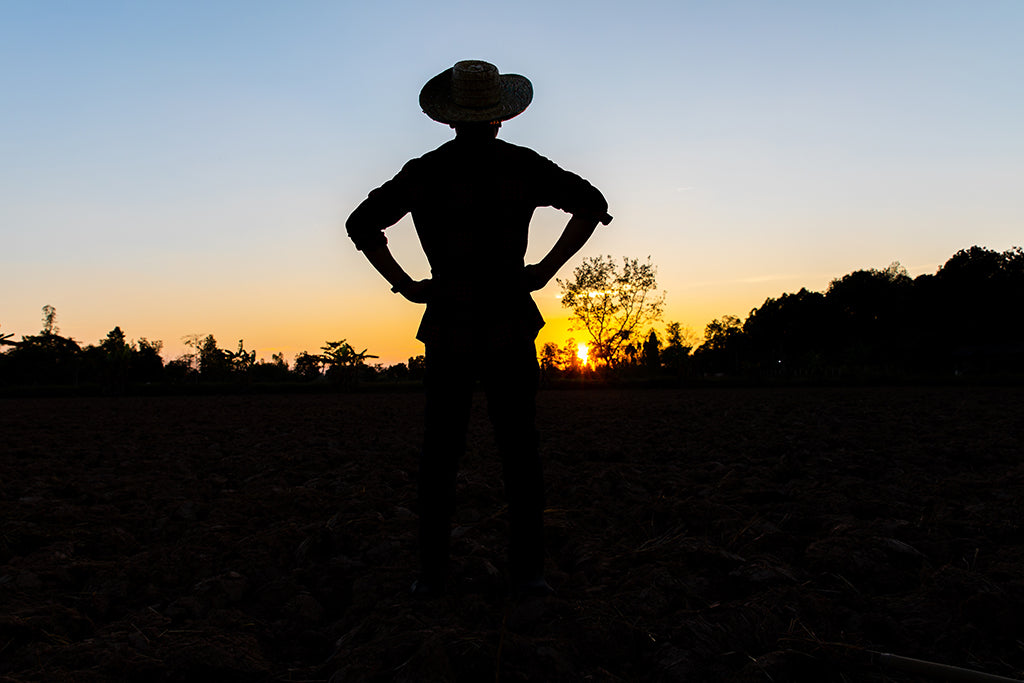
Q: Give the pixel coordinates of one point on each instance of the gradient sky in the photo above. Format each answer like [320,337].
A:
[187,167]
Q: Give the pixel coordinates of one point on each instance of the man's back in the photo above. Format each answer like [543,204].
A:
[471,201]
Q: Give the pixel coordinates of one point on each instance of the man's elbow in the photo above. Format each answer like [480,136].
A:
[588,221]
[364,238]
[598,209]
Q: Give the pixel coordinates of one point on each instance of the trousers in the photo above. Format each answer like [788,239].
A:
[508,371]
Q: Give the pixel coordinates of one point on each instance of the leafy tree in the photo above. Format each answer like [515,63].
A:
[556,360]
[146,363]
[399,372]
[274,371]
[612,303]
[417,367]
[116,363]
[115,344]
[49,320]
[307,365]
[117,355]
[971,318]
[549,358]
[722,349]
[790,333]
[45,358]
[674,355]
[240,362]
[978,289]
[652,352]
[678,347]
[190,359]
[569,357]
[178,370]
[719,332]
[342,362]
[214,363]
[868,312]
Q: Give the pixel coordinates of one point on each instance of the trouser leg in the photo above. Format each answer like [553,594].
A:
[448,402]
[511,402]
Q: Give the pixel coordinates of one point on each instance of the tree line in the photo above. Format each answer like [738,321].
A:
[869,324]
[872,323]
[116,364]
[963,320]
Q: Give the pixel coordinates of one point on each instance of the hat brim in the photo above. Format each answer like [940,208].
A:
[436,100]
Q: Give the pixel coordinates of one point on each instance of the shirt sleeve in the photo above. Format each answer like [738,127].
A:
[381,209]
[569,192]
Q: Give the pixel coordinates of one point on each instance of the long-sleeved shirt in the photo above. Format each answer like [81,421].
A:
[471,203]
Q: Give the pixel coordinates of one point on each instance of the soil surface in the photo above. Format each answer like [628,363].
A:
[698,535]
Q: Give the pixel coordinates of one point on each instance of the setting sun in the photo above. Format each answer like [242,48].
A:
[582,352]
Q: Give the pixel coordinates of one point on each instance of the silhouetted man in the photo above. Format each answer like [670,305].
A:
[471,201]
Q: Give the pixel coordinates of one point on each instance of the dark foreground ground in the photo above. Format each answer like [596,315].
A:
[705,535]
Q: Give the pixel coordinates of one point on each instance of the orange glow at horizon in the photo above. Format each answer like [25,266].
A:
[582,352]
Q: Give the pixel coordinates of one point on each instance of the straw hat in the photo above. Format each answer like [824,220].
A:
[474,92]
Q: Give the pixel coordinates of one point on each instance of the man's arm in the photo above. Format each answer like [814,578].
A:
[382,208]
[575,234]
[380,257]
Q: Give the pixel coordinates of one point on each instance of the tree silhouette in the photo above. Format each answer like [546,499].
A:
[722,348]
[611,304]
[240,362]
[569,357]
[146,364]
[399,372]
[45,358]
[652,352]
[549,358]
[982,292]
[49,320]
[868,309]
[190,359]
[274,371]
[677,348]
[342,362]
[117,356]
[307,365]
[791,333]
[872,323]
[977,286]
[214,362]
[115,363]
[879,323]
[417,367]
[720,332]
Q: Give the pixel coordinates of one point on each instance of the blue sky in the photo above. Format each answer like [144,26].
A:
[187,167]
